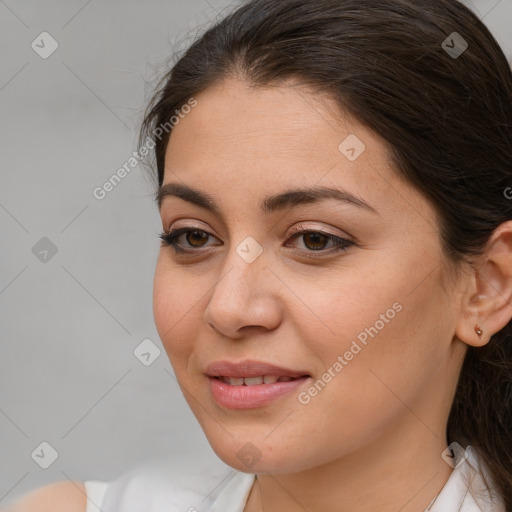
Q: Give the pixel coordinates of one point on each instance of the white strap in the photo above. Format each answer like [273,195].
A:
[95,492]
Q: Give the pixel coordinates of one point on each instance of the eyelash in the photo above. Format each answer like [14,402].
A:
[169,239]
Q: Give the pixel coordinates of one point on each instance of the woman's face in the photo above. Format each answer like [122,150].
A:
[371,325]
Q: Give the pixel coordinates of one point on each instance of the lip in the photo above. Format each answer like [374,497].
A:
[250,397]
[250,368]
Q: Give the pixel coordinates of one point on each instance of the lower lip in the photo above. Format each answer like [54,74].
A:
[250,397]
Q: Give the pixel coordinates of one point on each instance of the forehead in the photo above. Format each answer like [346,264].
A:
[239,128]
[250,142]
[290,118]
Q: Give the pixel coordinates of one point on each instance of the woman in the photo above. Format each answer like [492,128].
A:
[334,282]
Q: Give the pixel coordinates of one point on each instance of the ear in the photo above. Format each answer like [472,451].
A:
[488,302]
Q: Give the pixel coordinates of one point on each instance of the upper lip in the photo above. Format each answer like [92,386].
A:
[250,368]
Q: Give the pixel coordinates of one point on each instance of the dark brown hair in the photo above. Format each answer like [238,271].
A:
[446,118]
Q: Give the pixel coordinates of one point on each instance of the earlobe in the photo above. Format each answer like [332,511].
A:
[487,306]
[471,329]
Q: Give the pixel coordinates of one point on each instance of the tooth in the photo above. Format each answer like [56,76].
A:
[253,381]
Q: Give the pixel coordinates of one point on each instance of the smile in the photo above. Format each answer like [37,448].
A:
[252,392]
[254,381]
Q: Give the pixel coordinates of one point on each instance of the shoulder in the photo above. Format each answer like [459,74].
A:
[180,481]
[69,496]
[174,482]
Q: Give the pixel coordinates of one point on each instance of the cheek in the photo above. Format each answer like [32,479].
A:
[176,303]
[342,308]
[375,337]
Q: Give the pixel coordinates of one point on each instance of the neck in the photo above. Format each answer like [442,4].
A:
[396,472]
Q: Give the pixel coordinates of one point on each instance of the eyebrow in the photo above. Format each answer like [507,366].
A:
[270,204]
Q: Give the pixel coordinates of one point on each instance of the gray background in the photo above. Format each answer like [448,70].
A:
[70,324]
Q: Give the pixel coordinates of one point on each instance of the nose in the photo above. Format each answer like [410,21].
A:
[245,297]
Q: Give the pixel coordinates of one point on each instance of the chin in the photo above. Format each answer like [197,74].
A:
[253,456]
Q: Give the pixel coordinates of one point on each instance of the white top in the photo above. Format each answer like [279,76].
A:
[186,485]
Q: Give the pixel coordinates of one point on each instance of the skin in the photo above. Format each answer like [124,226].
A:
[373,437]
[66,495]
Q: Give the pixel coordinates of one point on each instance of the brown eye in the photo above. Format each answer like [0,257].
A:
[317,240]
[194,237]
[314,241]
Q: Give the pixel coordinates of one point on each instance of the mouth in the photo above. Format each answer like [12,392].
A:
[251,384]
[249,369]
[255,381]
